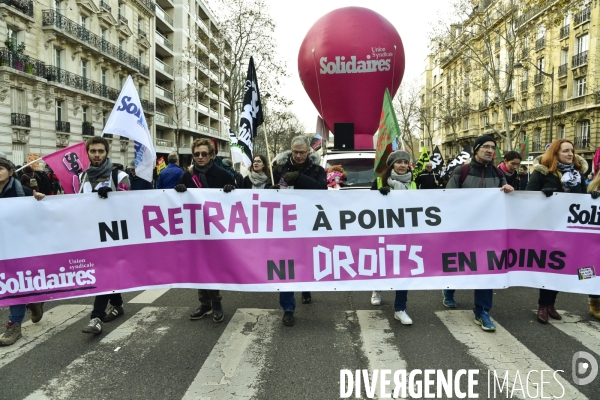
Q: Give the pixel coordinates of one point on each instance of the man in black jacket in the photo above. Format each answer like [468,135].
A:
[428,179]
[481,173]
[205,174]
[298,168]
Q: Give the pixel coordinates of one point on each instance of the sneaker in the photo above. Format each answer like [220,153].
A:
[403,317]
[217,311]
[448,299]
[113,312]
[288,318]
[12,334]
[306,298]
[376,298]
[37,311]
[485,321]
[201,312]
[95,326]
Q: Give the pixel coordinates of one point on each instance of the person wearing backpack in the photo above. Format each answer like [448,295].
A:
[479,173]
[102,178]
[11,187]
[398,176]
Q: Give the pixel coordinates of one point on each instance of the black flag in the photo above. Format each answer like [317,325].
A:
[458,160]
[436,160]
[252,115]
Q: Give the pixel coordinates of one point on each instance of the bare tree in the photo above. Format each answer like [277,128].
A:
[283,126]
[406,106]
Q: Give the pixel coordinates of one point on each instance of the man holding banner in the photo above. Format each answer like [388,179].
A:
[479,173]
[101,178]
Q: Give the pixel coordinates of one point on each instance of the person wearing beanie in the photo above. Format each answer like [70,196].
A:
[481,173]
[398,176]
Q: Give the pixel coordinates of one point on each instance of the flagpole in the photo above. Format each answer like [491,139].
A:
[28,164]
[393,69]
[268,154]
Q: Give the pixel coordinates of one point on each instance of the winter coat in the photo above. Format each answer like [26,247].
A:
[312,176]
[11,189]
[138,183]
[540,177]
[479,176]
[169,176]
[427,180]
[216,177]
[247,183]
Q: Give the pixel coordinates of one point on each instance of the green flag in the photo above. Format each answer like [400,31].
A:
[420,166]
[499,157]
[524,150]
[388,131]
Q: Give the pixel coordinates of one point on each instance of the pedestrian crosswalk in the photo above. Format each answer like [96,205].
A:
[237,358]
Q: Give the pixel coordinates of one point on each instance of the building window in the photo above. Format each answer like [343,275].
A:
[57,57]
[579,87]
[104,34]
[103,119]
[121,81]
[84,113]
[85,22]
[84,68]
[561,131]
[466,123]
[537,139]
[538,100]
[104,77]
[19,101]
[141,91]
[509,113]
[59,110]
[485,120]
[582,138]
[141,59]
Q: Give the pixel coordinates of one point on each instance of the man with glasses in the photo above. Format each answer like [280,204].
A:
[480,173]
[205,174]
[298,168]
[428,179]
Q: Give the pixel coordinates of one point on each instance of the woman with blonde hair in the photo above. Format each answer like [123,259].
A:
[559,169]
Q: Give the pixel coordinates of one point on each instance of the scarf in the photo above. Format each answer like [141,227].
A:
[259,180]
[570,176]
[399,182]
[505,170]
[104,170]
[201,172]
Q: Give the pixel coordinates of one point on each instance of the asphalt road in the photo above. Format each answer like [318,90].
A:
[155,352]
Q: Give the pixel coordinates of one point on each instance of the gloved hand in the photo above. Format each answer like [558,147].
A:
[228,188]
[384,190]
[290,177]
[180,187]
[549,191]
[103,192]
[595,194]
[275,187]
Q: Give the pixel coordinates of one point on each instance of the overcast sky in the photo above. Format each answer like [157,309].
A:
[411,18]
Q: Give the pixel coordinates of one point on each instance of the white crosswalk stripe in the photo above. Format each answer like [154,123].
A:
[53,322]
[148,296]
[500,351]
[582,331]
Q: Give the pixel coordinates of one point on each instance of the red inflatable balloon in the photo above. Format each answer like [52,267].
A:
[346,61]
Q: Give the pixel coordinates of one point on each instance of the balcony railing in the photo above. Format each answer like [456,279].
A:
[63,126]
[564,32]
[20,120]
[214,132]
[105,6]
[580,59]
[540,43]
[147,106]
[164,143]
[562,70]
[150,5]
[142,34]
[560,106]
[582,16]
[163,92]
[87,130]
[534,113]
[525,52]
[123,20]
[22,63]
[163,67]
[54,74]
[59,21]
[582,142]
[524,85]
[165,119]
[203,128]
[538,79]
[163,14]
[510,94]
[483,104]
[164,41]
[26,7]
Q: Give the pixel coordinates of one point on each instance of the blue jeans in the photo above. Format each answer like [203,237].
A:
[16,314]
[287,301]
[483,300]
[400,301]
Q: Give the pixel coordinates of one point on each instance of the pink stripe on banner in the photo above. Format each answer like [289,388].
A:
[418,261]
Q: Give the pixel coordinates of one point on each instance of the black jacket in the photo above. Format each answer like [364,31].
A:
[479,176]
[137,183]
[427,180]
[216,177]
[247,183]
[311,177]
[540,178]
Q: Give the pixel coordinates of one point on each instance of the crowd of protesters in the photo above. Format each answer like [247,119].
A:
[559,169]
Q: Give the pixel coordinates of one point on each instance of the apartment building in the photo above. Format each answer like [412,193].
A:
[63,64]
[506,67]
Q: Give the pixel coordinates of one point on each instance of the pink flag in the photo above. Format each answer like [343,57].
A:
[596,163]
[67,164]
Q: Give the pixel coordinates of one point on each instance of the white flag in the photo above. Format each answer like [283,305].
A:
[127,120]
[236,151]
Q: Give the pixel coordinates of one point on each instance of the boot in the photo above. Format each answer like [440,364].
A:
[552,313]
[595,307]
[37,311]
[12,334]
[542,314]
[217,311]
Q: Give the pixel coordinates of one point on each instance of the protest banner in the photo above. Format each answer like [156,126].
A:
[295,240]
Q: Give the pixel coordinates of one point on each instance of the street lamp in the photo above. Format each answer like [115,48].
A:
[548,75]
